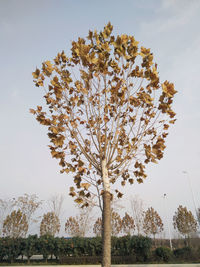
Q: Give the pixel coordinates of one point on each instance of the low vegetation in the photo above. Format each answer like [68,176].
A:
[81,250]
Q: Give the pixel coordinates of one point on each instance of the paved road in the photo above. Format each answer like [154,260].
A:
[125,265]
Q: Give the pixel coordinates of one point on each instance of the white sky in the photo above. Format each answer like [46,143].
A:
[34,31]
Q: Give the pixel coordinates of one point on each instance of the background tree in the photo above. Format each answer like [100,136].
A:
[28,204]
[116,225]
[128,225]
[6,206]
[137,208]
[55,204]
[72,227]
[15,225]
[97,228]
[108,116]
[152,224]
[184,222]
[50,224]
[82,223]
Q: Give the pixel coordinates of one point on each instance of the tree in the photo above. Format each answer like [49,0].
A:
[137,208]
[97,228]
[152,222]
[107,115]
[128,225]
[81,224]
[56,203]
[15,225]
[50,224]
[28,204]
[184,222]
[116,225]
[72,227]
[6,205]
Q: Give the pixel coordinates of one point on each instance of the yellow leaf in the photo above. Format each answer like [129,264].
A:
[36,74]
[172,121]
[94,60]
[166,126]
[85,185]
[32,111]
[73,194]
[79,200]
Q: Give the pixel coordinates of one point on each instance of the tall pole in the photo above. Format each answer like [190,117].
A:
[195,207]
[170,240]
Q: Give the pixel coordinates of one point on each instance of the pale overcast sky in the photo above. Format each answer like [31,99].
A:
[34,31]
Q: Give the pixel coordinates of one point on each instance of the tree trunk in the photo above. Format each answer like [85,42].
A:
[106,219]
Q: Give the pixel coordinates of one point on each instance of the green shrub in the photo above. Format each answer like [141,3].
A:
[2,249]
[45,246]
[164,254]
[136,246]
[184,253]
[126,249]
[141,247]
[12,248]
[29,246]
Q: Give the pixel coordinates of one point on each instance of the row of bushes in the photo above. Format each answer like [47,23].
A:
[125,250]
[11,249]
[185,254]
[159,255]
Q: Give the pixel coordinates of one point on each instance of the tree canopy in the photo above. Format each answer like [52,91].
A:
[184,221]
[105,103]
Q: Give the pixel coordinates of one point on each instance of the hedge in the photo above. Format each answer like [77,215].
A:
[124,249]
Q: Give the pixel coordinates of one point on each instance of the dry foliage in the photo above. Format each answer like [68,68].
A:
[15,225]
[116,225]
[72,227]
[97,228]
[28,204]
[128,225]
[50,224]
[152,224]
[106,110]
[81,224]
[184,221]
[107,115]
[6,206]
